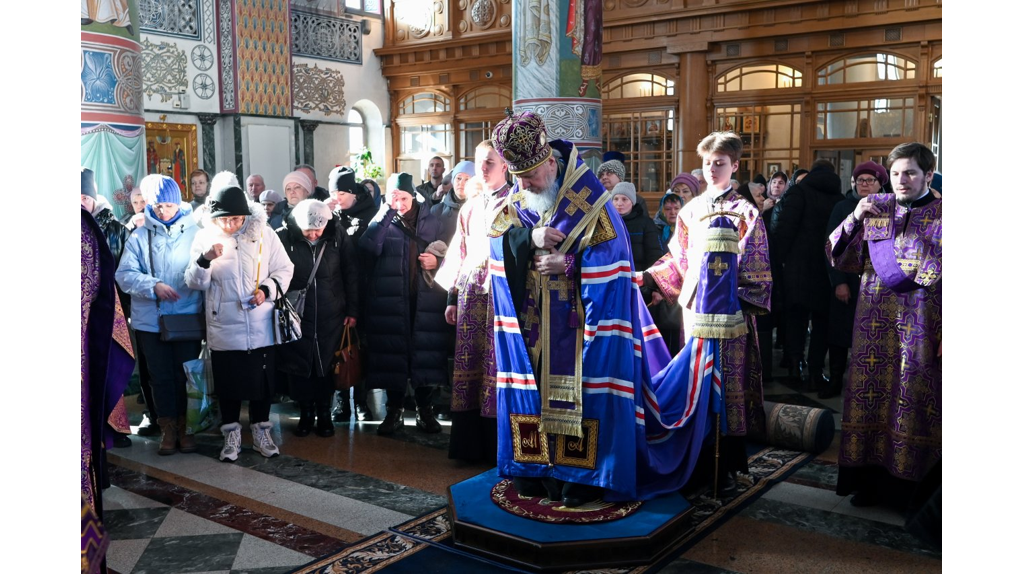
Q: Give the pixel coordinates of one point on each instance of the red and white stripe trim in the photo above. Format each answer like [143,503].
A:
[520,381]
[506,324]
[608,328]
[606,273]
[608,385]
[497,268]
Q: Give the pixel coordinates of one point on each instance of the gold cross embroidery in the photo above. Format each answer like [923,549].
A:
[927,221]
[907,329]
[577,201]
[563,287]
[874,324]
[872,360]
[465,356]
[718,266]
[530,321]
[871,394]
[931,412]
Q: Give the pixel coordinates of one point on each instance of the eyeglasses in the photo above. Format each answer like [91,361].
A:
[866,181]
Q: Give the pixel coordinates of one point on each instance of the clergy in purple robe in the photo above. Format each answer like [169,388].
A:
[676,277]
[106,365]
[464,273]
[892,405]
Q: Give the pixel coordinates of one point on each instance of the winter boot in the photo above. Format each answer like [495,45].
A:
[425,420]
[324,424]
[393,422]
[305,419]
[232,441]
[186,442]
[261,441]
[169,440]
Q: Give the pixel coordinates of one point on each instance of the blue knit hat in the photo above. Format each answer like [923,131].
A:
[465,166]
[158,188]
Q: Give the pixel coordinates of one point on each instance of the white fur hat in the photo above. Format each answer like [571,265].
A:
[311,214]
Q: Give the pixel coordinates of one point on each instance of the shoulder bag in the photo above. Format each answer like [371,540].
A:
[287,323]
[184,327]
[298,297]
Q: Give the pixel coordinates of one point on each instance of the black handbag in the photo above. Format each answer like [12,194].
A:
[298,297]
[287,323]
[184,327]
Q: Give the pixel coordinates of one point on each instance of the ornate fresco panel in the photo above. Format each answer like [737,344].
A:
[111,79]
[227,56]
[181,18]
[318,90]
[328,38]
[262,29]
[164,69]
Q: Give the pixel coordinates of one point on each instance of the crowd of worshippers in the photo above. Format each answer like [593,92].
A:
[408,268]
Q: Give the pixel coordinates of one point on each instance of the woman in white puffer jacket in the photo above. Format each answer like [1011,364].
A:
[239,262]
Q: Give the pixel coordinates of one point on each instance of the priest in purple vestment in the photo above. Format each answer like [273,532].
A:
[106,365]
[464,274]
[892,404]
[676,276]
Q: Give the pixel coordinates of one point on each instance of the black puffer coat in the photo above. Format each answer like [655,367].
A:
[841,315]
[408,336]
[332,296]
[799,222]
[644,238]
[355,220]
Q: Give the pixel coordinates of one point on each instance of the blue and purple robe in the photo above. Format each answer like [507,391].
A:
[576,358]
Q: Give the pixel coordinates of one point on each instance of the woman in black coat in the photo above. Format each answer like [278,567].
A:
[799,223]
[314,239]
[355,204]
[409,339]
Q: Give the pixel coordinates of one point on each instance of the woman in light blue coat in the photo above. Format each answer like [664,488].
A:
[152,272]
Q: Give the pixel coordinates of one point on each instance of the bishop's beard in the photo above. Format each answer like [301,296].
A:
[541,202]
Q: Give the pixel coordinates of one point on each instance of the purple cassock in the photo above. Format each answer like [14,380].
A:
[892,406]
[107,364]
[678,275]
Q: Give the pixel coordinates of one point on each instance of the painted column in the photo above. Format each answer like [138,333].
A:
[556,68]
[112,125]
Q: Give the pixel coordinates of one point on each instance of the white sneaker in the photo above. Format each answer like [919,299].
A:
[261,441]
[232,441]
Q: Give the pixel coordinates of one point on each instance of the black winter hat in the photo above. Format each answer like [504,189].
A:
[342,178]
[88,183]
[227,202]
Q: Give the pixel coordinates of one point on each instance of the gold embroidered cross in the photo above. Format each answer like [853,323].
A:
[931,412]
[871,394]
[563,287]
[465,356]
[872,360]
[874,324]
[927,221]
[718,266]
[577,201]
[907,329]
[531,320]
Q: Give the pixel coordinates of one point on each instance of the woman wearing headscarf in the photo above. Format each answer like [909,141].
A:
[241,266]
[152,272]
[408,336]
[134,217]
[325,269]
